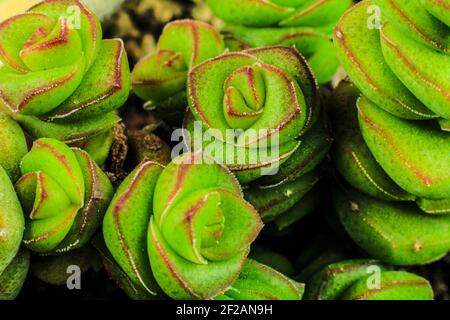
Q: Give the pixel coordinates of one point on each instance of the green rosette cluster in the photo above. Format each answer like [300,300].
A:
[186,230]
[59,78]
[258,112]
[305,24]
[390,145]
[160,78]
[64,195]
[366,280]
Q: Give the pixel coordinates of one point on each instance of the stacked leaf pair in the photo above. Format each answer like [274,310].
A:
[393,143]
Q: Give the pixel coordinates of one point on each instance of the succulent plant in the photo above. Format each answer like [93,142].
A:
[389,145]
[160,78]
[195,225]
[60,79]
[254,134]
[269,94]
[64,195]
[268,98]
[366,280]
[305,24]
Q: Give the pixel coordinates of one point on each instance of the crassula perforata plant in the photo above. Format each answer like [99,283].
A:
[59,79]
[64,195]
[389,144]
[186,230]
[268,97]
[160,77]
[305,24]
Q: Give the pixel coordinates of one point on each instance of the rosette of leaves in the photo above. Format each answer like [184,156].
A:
[366,280]
[258,111]
[160,78]
[389,145]
[64,195]
[59,78]
[184,229]
[305,24]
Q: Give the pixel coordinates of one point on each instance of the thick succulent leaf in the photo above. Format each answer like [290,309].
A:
[416,22]
[394,285]
[44,236]
[331,282]
[423,70]
[270,202]
[314,146]
[15,32]
[445,124]
[258,13]
[434,206]
[182,45]
[88,26]
[200,41]
[13,277]
[126,222]
[259,282]
[13,146]
[12,221]
[182,279]
[359,51]
[59,162]
[396,233]
[440,9]
[159,75]
[104,88]
[62,46]
[98,194]
[99,145]
[38,92]
[133,290]
[415,156]
[41,196]
[68,132]
[314,13]
[351,156]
